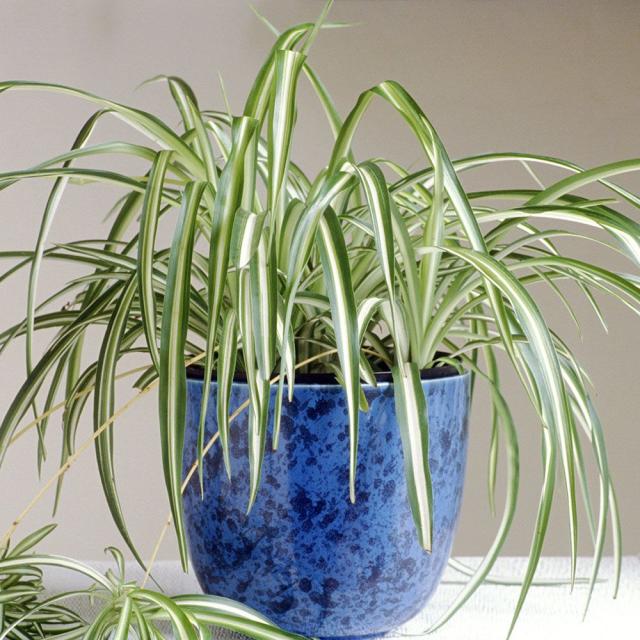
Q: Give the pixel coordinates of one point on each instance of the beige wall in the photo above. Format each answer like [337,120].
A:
[554,77]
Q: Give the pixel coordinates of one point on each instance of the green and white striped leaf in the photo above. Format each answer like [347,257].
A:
[146,245]
[333,254]
[545,369]
[226,368]
[287,67]
[227,201]
[173,377]
[411,409]
[104,407]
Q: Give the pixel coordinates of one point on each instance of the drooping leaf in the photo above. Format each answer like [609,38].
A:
[411,409]
[146,243]
[173,377]
[333,254]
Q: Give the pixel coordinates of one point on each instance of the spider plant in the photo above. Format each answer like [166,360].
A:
[22,613]
[122,605]
[366,266]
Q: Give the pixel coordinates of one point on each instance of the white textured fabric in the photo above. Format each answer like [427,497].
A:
[550,612]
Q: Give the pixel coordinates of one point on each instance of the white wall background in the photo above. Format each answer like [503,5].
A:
[557,77]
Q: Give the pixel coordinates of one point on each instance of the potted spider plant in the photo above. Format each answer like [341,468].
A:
[315,342]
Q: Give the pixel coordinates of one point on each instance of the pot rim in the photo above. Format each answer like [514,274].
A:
[196,372]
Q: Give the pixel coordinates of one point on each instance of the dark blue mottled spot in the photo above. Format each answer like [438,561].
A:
[389,489]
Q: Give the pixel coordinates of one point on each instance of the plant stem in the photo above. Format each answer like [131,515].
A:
[83,447]
[61,405]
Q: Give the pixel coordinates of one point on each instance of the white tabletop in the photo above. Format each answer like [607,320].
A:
[549,612]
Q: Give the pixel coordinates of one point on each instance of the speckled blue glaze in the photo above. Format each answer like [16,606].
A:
[305,556]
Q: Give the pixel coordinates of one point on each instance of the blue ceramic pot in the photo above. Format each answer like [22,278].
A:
[305,556]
